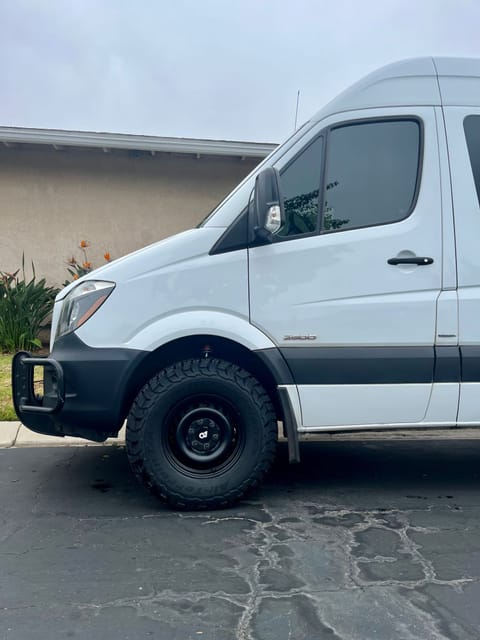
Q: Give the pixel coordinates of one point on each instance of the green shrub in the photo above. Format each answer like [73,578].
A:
[24,307]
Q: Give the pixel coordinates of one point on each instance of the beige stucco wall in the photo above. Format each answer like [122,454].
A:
[118,201]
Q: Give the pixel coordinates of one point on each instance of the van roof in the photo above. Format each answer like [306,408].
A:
[417,81]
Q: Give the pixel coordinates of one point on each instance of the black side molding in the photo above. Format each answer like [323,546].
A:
[359,365]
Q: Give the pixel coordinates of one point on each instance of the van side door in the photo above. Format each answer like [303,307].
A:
[348,287]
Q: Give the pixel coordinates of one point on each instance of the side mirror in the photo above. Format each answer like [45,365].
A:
[267,204]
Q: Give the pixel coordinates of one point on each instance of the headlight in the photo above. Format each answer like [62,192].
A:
[81,303]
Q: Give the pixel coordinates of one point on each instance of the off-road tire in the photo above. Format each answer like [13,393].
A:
[172,405]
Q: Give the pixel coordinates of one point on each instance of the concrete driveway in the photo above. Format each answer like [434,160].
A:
[363,540]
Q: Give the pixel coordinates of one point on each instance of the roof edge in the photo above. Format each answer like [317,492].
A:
[91,139]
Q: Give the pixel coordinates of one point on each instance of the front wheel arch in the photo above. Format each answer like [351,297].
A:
[194,347]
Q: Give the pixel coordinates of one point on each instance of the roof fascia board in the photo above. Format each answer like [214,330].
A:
[134,142]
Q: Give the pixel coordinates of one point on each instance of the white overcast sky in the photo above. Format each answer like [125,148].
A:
[226,69]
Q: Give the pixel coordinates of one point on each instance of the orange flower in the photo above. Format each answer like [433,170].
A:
[72,261]
[87,265]
[84,244]
[106,255]
[75,276]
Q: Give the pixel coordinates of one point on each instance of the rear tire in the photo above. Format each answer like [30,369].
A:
[201,433]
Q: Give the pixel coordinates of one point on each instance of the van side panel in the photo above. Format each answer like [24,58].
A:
[467,237]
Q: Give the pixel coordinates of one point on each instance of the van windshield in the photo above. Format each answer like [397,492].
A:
[237,199]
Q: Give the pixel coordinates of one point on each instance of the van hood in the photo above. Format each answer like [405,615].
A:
[165,253]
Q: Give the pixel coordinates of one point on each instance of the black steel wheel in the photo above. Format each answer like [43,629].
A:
[201,433]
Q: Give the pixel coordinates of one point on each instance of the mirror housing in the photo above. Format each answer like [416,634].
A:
[268,214]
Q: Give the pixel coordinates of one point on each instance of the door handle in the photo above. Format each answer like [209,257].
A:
[420,260]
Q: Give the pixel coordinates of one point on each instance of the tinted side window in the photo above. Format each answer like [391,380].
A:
[471,126]
[371,174]
[300,186]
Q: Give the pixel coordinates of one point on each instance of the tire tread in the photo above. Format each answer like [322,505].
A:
[159,385]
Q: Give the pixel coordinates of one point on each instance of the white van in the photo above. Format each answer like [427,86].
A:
[337,288]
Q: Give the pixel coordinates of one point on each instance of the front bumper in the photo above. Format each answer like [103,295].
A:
[85,390]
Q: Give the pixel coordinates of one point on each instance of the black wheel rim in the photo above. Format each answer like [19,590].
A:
[204,435]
